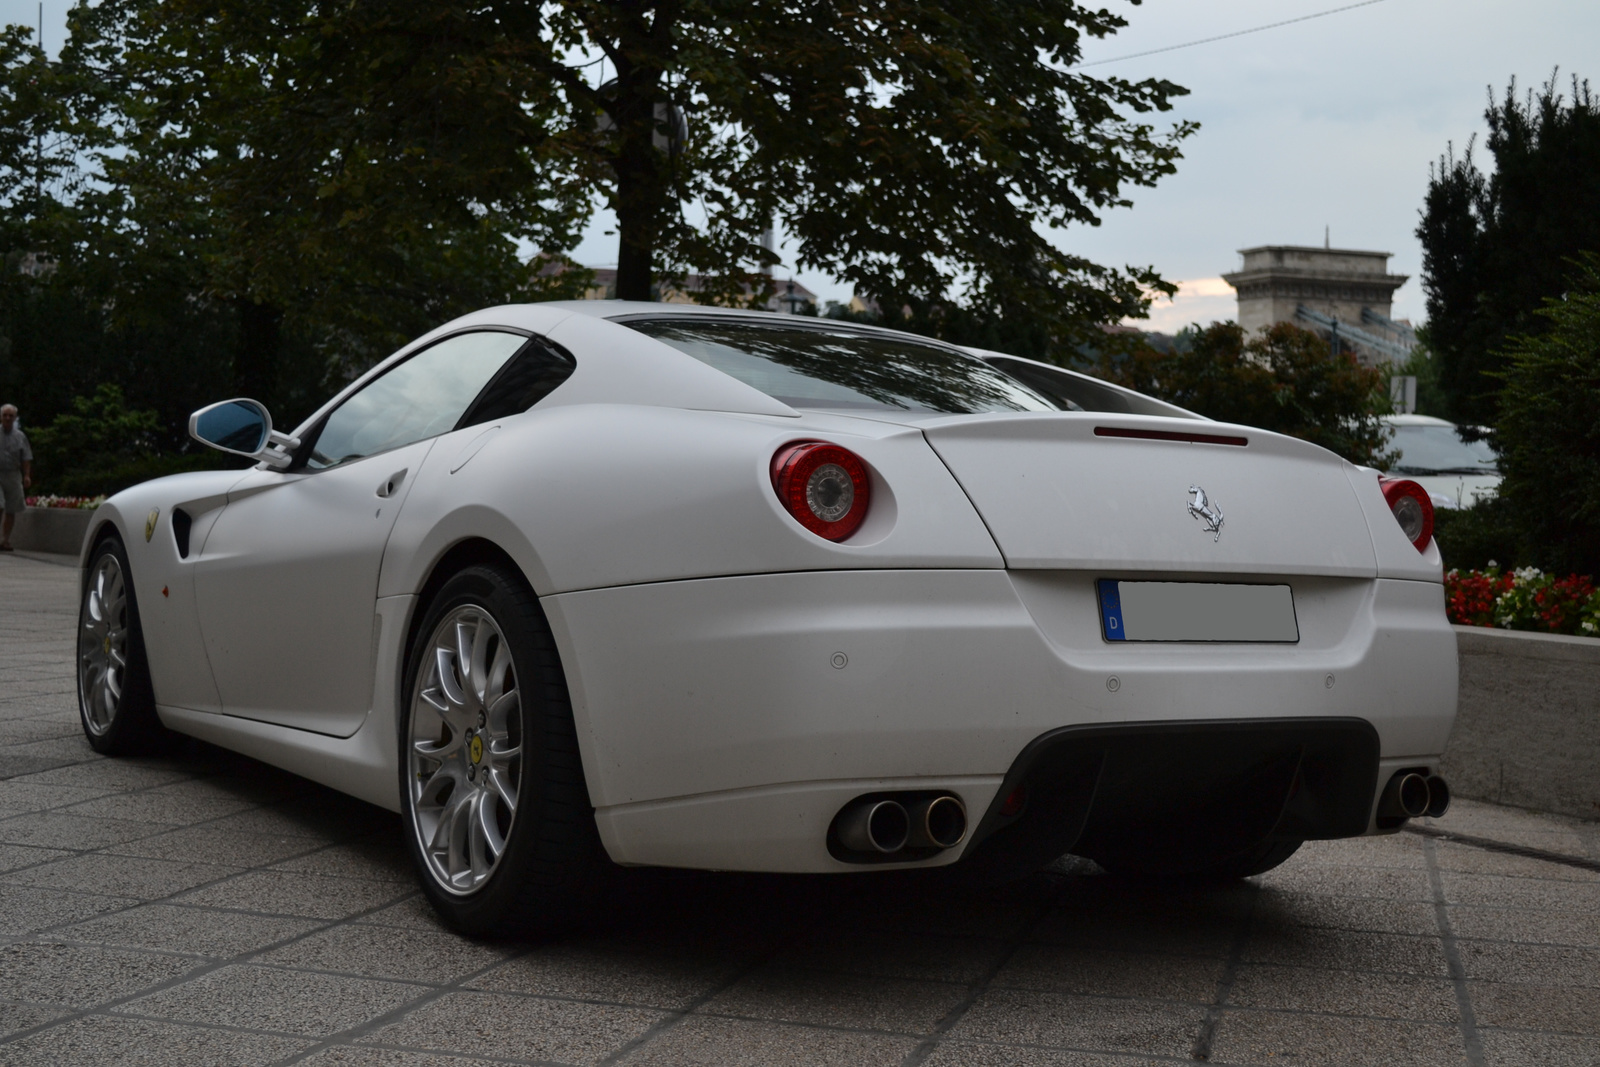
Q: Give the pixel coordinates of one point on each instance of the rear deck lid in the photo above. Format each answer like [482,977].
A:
[1125,494]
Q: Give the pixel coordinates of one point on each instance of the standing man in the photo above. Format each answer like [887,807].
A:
[16,471]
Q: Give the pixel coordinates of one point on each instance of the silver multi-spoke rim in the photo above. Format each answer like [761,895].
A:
[465,749]
[103,644]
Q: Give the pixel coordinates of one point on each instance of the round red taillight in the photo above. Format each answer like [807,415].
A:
[825,487]
[1412,508]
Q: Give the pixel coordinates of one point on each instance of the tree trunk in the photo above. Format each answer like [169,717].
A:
[643,170]
[255,365]
[635,250]
[641,193]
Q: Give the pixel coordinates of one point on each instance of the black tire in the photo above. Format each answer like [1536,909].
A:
[1256,860]
[116,705]
[549,866]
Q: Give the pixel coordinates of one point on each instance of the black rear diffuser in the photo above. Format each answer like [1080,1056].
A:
[1181,796]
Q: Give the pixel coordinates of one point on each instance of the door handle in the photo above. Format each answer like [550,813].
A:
[391,483]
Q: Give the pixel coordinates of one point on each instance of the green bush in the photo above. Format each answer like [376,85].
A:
[102,446]
[116,476]
[1476,538]
[1548,433]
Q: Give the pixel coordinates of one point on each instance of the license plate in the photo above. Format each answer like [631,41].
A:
[1196,611]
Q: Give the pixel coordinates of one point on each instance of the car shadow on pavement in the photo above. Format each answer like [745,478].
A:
[765,909]
[242,898]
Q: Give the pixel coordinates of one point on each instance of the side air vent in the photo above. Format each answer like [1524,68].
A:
[181,522]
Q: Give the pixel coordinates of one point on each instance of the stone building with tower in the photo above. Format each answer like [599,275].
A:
[1343,294]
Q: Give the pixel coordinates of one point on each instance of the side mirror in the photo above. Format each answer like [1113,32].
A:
[243,428]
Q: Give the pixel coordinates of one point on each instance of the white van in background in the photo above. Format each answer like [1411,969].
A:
[1456,473]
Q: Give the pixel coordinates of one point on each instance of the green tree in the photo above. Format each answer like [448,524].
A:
[1496,246]
[1285,379]
[272,194]
[37,140]
[1549,428]
[904,144]
[344,182]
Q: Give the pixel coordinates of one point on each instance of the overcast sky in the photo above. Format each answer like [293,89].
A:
[1331,122]
[1328,122]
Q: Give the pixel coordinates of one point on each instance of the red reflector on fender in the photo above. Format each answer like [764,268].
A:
[1170,435]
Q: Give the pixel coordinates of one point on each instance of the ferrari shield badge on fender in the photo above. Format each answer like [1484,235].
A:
[150,523]
[1209,514]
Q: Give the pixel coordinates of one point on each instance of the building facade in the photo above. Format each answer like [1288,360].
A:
[1342,293]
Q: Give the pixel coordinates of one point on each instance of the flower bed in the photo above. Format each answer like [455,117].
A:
[84,502]
[1523,599]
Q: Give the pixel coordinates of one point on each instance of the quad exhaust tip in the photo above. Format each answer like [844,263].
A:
[1438,797]
[875,826]
[938,823]
[886,826]
[1411,795]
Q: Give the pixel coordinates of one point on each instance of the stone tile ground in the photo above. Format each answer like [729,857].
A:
[206,909]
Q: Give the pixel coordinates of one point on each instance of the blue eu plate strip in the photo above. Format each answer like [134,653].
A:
[1110,609]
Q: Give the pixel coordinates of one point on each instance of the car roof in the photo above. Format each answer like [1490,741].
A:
[622,310]
[1415,420]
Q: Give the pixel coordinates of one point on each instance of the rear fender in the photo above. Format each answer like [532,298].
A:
[1397,556]
[592,496]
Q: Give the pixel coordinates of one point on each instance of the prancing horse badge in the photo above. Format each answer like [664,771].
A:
[150,523]
[1207,512]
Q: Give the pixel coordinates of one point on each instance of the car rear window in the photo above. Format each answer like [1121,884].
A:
[1079,392]
[820,366]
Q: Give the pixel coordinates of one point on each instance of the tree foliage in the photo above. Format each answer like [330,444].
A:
[264,196]
[1285,379]
[1548,433]
[359,163]
[348,181]
[1496,246]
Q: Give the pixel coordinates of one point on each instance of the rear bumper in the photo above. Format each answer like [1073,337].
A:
[724,722]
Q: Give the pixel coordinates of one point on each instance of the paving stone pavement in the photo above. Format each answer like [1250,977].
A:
[207,909]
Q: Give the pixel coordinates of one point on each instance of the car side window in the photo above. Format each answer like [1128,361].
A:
[530,377]
[422,397]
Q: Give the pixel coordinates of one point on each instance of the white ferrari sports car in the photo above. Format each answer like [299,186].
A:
[580,584]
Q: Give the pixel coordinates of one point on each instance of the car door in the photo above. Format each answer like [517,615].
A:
[287,580]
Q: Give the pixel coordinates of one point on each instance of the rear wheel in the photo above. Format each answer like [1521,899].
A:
[502,832]
[115,702]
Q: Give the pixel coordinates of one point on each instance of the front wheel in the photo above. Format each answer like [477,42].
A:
[116,704]
[502,832]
